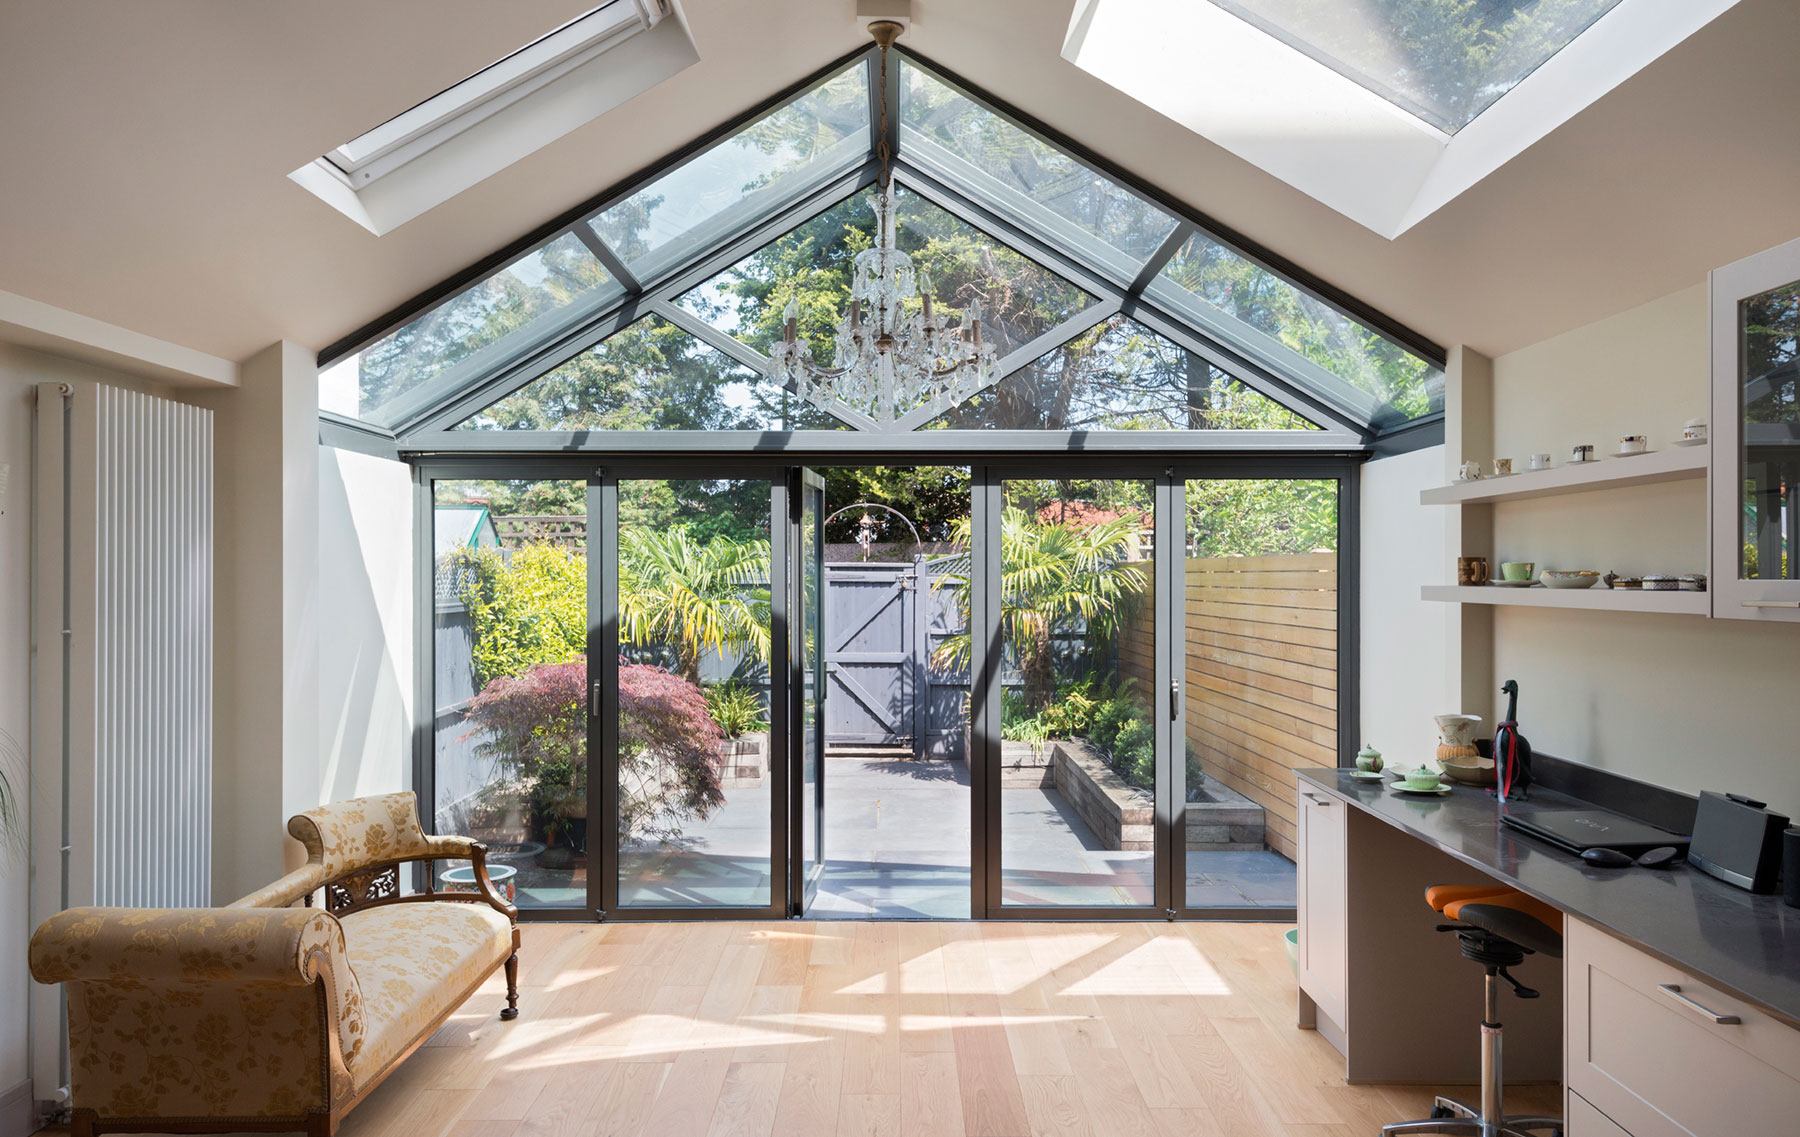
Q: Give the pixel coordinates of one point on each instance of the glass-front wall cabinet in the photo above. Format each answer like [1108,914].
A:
[1756,437]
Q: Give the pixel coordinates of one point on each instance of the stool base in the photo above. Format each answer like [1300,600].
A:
[1460,1117]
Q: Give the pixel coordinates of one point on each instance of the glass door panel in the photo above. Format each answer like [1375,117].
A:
[1259,573]
[696,677]
[809,685]
[509,631]
[1079,757]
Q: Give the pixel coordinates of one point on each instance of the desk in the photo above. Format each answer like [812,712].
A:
[1410,1004]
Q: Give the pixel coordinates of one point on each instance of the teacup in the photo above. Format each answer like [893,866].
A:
[1582,453]
[1502,467]
[1517,570]
[1423,778]
[1633,444]
[1469,472]
[1540,461]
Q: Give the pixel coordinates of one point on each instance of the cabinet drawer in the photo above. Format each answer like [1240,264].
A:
[1583,1120]
[1646,1049]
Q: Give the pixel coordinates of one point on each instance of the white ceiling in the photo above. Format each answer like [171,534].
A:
[147,146]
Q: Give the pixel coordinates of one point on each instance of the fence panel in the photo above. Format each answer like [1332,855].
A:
[1261,674]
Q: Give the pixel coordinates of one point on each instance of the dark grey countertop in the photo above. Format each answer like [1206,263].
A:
[1746,945]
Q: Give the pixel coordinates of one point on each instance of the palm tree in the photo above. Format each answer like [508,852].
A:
[1053,578]
[693,596]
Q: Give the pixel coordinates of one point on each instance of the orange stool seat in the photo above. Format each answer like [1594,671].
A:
[1506,912]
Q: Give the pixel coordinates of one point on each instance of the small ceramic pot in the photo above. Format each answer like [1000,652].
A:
[1633,444]
[1540,461]
[1368,759]
[1694,429]
[1502,467]
[1582,453]
[1456,736]
[1469,472]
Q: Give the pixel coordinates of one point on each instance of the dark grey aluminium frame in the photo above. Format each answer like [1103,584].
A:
[1169,468]
[423,430]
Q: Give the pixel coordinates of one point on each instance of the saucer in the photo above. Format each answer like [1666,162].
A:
[1514,583]
[1689,442]
[1630,453]
[1368,775]
[1403,788]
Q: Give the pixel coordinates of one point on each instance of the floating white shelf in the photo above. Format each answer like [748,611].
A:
[1594,599]
[1677,463]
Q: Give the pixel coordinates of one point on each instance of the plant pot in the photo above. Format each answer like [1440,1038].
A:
[557,858]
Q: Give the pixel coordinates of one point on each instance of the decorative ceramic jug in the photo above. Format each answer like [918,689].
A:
[1368,759]
[1456,736]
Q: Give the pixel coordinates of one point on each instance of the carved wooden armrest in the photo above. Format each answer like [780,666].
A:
[380,883]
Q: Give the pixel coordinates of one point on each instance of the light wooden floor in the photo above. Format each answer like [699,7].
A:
[891,1029]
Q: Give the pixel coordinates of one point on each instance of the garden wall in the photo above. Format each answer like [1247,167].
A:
[1261,676]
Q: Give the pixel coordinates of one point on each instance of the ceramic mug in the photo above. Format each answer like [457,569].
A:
[1540,461]
[1471,570]
[1469,472]
[1517,570]
[1632,444]
[1582,453]
[1694,428]
[1502,467]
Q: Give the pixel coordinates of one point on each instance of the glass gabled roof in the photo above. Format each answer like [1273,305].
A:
[712,247]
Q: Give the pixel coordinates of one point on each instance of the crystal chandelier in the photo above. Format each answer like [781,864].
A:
[887,362]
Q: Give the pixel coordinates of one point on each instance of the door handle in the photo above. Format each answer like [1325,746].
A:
[1174,699]
[1315,798]
[1673,991]
[594,698]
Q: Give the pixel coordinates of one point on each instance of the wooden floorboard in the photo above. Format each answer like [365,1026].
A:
[798,1029]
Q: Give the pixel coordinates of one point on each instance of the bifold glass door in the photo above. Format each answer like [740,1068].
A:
[630,672]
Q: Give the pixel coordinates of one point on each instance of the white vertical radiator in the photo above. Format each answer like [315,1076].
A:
[122,638]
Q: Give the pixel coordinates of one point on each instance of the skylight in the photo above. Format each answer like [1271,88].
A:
[434,150]
[1445,63]
[1384,110]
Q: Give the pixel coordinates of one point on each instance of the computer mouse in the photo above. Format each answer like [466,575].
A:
[1607,858]
[1659,858]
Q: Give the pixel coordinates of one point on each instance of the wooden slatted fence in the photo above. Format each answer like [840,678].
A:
[1261,675]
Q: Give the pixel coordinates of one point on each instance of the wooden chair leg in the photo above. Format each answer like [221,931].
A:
[511,1010]
[81,1123]
[320,1125]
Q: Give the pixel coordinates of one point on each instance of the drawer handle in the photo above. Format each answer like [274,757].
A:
[1315,798]
[1769,604]
[1673,991]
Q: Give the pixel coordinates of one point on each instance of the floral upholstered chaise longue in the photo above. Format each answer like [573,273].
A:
[270,1014]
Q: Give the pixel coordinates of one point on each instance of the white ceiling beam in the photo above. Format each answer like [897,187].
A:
[44,327]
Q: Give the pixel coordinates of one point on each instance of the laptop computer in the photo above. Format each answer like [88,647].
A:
[1579,828]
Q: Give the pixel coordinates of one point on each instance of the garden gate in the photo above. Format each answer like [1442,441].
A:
[883,624]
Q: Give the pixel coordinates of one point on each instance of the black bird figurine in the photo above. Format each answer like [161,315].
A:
[1512,754]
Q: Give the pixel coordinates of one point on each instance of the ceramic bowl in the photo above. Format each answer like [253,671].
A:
[1470,771]
[1577,578]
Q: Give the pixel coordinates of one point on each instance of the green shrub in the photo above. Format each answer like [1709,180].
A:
[1107,720]
[1134,753]
[736,708]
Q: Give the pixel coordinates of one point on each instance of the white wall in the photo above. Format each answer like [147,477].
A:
[1683,701]
[20,371]
[266,568]
[366,657]
[1404,681]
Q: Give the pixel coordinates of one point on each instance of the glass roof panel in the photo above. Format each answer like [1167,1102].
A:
[1296,335]
[1120,375]
[401,373]
[1021,298]
[767,164]
[1037,186]
[1442,62]
[651,376]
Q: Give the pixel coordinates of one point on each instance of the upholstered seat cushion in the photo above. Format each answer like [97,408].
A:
[413,962]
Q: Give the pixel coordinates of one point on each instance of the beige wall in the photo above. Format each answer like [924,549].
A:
[1683,701]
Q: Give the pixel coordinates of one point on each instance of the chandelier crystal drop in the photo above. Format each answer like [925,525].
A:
[890,359]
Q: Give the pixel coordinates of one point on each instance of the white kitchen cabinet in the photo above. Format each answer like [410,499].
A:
[1324,903]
